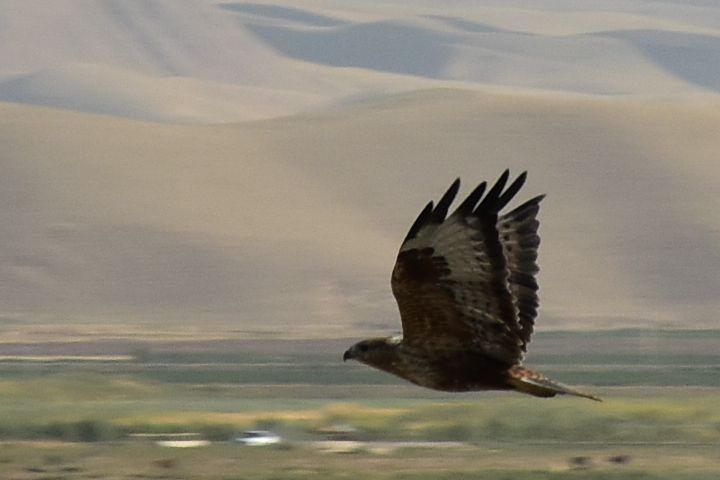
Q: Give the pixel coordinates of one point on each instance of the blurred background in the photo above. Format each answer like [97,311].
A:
[201,204]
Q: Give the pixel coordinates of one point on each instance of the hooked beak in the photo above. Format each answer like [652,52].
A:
[347,355]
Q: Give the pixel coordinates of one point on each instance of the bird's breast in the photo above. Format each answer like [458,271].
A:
[460,372]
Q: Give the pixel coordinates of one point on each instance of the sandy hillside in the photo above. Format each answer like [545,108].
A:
[214,61]
[222,166]
[292,225]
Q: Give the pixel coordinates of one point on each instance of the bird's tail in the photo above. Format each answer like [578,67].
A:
[537,384]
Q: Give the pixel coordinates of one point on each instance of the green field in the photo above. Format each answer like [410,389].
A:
[74,417]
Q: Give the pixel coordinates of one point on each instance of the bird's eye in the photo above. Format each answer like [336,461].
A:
[364,348]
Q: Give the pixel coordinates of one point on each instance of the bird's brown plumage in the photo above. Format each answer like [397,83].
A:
[465,286]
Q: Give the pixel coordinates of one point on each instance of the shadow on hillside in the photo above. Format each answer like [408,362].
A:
[387,46]
[691,57]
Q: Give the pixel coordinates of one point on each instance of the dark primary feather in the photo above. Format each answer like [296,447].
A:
[467,281]
[508,194]
[440,211]
[489,204]
[467,206]
[419,221]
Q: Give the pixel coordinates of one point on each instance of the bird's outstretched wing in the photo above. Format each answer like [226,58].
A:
[518,234]
[467,281]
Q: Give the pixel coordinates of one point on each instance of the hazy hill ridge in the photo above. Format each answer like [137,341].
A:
[208,61]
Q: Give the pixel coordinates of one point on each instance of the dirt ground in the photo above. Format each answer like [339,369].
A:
[138,459]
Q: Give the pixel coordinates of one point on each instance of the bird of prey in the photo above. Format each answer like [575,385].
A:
[465,286]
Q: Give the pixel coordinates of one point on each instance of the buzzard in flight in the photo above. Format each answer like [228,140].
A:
[465,285]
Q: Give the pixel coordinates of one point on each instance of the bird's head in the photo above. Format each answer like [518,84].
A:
[375,352]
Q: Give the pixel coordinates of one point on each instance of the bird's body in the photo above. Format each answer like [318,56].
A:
[427,368]
[467,294]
